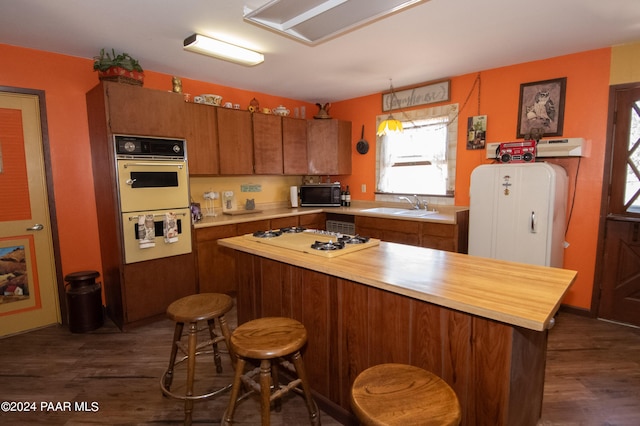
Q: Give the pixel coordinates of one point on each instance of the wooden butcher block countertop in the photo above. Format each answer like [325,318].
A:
[513,293]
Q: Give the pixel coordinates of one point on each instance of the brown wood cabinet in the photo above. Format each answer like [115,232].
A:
[202,139]
[235,138]
[496,369]
[216,264]
[134,292]
[216,267]
[267,144]
[294,146]
[313,221]
[392,230]
[441,236]
[137,111]
[329,147]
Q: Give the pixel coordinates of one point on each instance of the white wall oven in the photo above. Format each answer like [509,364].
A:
[153,195]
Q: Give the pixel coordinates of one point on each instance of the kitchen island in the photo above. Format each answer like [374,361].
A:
[480,324]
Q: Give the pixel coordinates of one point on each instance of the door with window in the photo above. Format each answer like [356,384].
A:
[620,284]
[28,283]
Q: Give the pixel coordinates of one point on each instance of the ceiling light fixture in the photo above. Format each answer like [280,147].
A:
[222,50]
[314,21]
[390,124]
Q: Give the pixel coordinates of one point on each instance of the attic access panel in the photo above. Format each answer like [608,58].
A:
[314,21]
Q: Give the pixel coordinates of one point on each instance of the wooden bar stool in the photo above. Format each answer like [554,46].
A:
[271,340]
[190,310]
[399,394]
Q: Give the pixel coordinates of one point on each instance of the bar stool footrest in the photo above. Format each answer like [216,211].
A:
[167,392]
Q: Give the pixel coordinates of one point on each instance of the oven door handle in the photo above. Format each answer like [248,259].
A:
[158,164]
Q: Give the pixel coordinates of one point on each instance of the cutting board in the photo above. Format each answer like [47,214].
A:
[236,212]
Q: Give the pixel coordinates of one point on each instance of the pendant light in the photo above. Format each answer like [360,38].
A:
[390,124]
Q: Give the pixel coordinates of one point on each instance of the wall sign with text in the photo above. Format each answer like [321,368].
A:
[419,95]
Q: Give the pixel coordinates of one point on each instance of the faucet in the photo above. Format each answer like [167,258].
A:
[415,206]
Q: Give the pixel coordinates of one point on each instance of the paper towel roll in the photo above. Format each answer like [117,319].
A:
[293,193]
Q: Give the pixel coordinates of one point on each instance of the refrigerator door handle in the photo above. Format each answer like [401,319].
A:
[533,223]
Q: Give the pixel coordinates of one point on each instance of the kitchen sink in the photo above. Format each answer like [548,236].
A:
[385,210]
[415,213]
[399,212]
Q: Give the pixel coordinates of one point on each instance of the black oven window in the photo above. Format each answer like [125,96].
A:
[154,179]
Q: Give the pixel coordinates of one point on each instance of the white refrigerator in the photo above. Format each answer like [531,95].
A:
[517,212]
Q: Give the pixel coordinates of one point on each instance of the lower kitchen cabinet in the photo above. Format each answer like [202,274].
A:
[440,236]
[151,286]
[313,221]
[392,230]
[216,264]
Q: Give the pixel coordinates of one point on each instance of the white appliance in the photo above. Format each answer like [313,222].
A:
[517,213]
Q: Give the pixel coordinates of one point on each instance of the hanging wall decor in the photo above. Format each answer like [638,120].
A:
[541,107]
[476,131]
[423,94]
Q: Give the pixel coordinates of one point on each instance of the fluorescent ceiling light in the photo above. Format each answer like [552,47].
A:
[314,21]
[222,50]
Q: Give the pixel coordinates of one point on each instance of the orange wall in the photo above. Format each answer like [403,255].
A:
[585,116]
[65,81]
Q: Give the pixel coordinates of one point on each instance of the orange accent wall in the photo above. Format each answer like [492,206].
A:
[66,79]
[585,116]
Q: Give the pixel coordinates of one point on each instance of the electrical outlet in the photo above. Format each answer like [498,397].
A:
[363,189]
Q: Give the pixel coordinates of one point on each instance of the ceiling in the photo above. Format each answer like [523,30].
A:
[429,41]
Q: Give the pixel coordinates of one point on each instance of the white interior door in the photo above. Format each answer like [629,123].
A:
[28,287]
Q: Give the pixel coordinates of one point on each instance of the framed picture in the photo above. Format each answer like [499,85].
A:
[476,131]
[541,108]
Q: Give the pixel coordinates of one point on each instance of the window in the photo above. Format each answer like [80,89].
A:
[632,187]
[421,159]
[624,185]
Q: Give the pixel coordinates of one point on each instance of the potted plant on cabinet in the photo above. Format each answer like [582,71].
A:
[121,68]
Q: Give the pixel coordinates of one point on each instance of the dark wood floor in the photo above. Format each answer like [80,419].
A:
[593,378]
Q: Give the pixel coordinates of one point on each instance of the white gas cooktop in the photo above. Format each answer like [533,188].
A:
[329,244]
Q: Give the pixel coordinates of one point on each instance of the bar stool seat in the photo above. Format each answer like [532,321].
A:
[273,341]
[399,394]
[190,310]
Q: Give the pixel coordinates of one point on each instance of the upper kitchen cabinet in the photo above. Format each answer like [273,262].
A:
[267,144]
[235,139]
[329,147]
[137,111]
[294,146]
[202,139]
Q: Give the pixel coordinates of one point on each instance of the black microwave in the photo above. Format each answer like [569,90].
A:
[320,195]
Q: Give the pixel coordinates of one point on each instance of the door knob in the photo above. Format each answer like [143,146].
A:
[36,227]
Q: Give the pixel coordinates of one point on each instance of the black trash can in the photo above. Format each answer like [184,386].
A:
[84,301]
